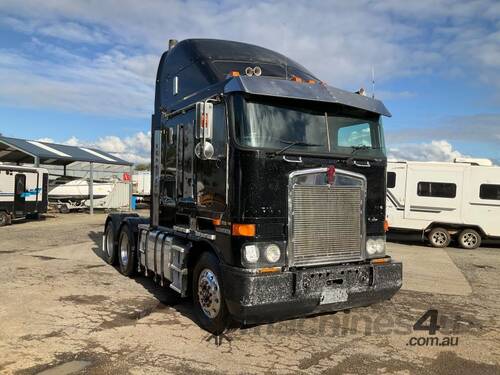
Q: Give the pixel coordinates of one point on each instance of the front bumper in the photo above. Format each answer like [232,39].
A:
[258,298]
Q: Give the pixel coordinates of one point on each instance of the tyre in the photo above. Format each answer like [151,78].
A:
[469,239]
[439,237]
[109,244]
[4,219]
[126,252]
[208,295]
[64,209]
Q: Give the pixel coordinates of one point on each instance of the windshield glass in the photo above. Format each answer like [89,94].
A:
[298,129]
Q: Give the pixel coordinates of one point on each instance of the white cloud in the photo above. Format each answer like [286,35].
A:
[434,151]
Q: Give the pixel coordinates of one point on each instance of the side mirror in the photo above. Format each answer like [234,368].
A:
[204,120]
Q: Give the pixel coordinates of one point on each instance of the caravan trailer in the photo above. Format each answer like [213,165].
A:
[23,192]
[445,201]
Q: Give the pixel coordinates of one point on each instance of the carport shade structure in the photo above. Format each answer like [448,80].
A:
[21,151]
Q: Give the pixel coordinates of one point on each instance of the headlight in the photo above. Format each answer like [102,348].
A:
[251,253]
[272,253]
[375,246]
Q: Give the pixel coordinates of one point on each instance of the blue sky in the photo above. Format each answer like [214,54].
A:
[82,72]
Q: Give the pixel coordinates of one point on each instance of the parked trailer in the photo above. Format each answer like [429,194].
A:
[268,190]
[23,192]
[445,201]
[141,182]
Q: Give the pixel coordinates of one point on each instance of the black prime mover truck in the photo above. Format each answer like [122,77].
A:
[268,189]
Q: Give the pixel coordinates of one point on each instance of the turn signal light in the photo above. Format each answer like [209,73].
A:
[269,270]
[244,230]
[216,222]
[381,260]
[386,225]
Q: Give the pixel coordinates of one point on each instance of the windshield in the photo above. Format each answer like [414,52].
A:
[292,128]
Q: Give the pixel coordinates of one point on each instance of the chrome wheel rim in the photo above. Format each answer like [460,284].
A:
[439,238]
[209,295]
[469,240]
[109,242]
[124,249]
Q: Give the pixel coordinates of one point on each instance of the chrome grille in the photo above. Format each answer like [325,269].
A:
[326,224]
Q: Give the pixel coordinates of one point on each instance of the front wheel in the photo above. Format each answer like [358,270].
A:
[439,237]
[469,239]
[126,251]
[208,295]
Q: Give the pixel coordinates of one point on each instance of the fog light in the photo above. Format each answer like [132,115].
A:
[251,253]
[272,253]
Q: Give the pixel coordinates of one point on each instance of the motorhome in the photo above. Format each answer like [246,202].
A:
[443,202]
[268,189]
[23,192]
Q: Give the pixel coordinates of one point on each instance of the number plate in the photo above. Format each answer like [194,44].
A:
[333,296]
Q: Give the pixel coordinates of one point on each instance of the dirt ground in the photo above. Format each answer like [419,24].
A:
[63,310]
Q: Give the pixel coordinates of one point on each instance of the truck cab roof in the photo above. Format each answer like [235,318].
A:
[193,66]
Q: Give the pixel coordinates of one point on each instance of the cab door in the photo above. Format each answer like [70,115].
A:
[20,195]
[211,173]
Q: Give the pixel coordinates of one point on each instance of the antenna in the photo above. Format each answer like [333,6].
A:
[373,82]
[285,49]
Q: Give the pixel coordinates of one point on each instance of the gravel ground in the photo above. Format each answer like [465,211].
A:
[63,310]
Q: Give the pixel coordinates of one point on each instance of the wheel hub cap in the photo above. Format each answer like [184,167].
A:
[124,250]
[439,238]
[109,243]
[469,239]
[209,295]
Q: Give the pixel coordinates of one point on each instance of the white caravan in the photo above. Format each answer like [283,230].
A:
[23,192]
[445,201]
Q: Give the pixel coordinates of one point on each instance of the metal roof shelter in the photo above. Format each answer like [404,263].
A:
[21,151]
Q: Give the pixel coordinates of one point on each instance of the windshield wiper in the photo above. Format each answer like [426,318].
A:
[350,160]
[361,147]
[290,144]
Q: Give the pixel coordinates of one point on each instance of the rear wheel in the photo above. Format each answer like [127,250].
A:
[126,251]
[109,247]
[439,237]
[469,239]
[4,219]
[208,295]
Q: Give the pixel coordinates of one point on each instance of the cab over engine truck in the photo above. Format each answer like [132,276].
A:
[268,189]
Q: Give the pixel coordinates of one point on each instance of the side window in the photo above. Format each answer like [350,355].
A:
[391,180]
[355,135]
[436,189]
[219,131]
[489,191]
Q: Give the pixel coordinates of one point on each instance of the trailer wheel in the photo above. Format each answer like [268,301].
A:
[469,239]
[64,208]
[439,237]
[109,253]
[4,219]
[208,295]
[126,252]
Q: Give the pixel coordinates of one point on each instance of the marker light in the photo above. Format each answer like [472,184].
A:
[244,230]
